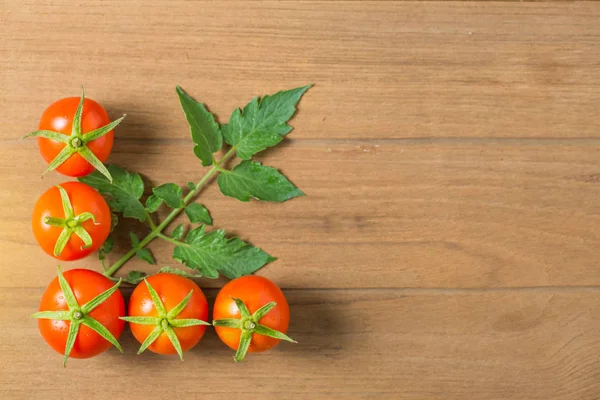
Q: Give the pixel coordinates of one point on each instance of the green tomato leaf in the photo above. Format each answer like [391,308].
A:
[262,124]
[145,255]
[252,179]
[205,130]
[134,277]
[211,253]
[123,194]
[114,221]
[170,193]
[191,185]
[177,232]
[134,239]
[198,213]
[152,203]
[106,247]
[177,271]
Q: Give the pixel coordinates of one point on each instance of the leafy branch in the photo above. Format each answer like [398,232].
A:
[259,125]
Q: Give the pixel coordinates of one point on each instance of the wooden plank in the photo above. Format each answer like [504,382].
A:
[381,69]
[387,344]
[398,214]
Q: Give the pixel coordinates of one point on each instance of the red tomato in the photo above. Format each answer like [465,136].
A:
[86,285]
[171,289]
[255,292]
[83,199]
[58,117]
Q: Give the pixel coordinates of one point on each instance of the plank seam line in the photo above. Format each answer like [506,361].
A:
[380,141]
[403,140]
[363,139]
[408,290]
[442,290]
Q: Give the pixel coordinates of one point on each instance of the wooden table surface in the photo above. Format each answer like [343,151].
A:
[450,152]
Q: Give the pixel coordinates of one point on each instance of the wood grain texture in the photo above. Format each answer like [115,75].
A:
[382,69]
[353,344]
[396,214]
[447,247]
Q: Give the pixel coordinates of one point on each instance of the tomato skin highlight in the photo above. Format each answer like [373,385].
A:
[86,285]
[171,289]
[58,117]
[83,199]
[255,292]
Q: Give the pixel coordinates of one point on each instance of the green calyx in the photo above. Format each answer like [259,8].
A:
[77,142]
[248,324]
[165,322]
[79,315]
[71,224]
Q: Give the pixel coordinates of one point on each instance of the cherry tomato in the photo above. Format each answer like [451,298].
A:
[255,292]
[86,285]
[171,290]
[49,211]
[58,117]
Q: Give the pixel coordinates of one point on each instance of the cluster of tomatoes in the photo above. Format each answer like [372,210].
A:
[82,312]
[155,323]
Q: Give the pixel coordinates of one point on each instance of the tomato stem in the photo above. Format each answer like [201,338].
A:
[54,221]
[172,240]
[70,224]
[157,229]
[76,143]
[149,219]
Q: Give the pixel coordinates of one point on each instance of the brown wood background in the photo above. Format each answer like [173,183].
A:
[448,245]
